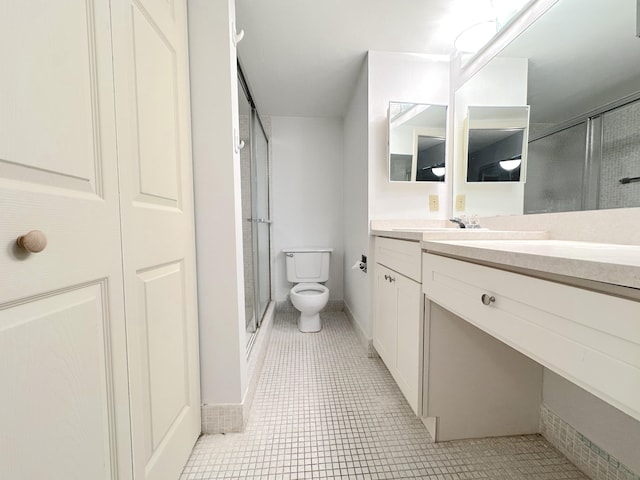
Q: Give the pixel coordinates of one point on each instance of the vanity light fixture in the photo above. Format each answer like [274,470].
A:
[437,171]
[511,163]
[505,10]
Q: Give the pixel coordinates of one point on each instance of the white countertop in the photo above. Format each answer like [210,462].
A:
[600,262]
[609,263]
[423,234]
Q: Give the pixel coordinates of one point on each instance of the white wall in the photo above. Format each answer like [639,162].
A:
[402,77]
[502,82]
[307,193]
[356,205]
[368,193]
[214,115]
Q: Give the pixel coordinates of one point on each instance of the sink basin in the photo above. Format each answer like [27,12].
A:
[439,229]
[422,229]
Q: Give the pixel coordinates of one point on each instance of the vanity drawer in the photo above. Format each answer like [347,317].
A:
[590,338]
[402,256]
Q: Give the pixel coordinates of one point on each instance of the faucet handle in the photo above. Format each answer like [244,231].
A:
[459,221]
[474,221]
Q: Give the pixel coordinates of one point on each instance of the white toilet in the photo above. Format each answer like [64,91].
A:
[307,268]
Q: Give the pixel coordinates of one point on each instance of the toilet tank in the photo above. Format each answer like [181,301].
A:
[307,264]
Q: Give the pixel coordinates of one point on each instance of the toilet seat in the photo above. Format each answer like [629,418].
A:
[309,289]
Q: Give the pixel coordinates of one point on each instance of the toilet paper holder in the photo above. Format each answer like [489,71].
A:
[361,265]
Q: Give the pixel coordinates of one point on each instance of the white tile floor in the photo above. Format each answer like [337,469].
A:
[323,409]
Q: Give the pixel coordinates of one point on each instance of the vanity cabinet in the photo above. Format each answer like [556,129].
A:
[398,314]
[588,337]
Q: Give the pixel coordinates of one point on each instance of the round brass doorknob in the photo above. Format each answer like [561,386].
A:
[33,242]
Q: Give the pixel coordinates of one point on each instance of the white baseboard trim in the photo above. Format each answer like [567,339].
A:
[366,342]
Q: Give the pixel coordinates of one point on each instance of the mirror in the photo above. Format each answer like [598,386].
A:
[417,142]
[496,143]
[583,87]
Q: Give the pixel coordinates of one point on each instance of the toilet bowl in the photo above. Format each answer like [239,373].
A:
[309,299]
[308,268]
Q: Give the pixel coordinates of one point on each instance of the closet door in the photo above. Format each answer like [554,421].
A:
[154,154]
[63,376]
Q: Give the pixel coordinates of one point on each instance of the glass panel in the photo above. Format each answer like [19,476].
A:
[620,167]
[262,212]
[247,225]
[555,171]
[497,143]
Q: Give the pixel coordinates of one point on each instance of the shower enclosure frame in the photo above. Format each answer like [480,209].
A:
[259,221]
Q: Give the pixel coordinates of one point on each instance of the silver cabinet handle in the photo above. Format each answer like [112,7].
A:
[392,279]
[487,299]
[289,254]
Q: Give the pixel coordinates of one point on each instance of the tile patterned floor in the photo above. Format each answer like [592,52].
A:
[323,410]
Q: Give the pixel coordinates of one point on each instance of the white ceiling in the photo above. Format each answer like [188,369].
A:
[302,57]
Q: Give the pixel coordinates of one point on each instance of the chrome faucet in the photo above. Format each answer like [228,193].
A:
[459,221]
[464,222]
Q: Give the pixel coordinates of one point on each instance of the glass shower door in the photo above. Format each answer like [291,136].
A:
[254,171]
[248,226]
[262,270]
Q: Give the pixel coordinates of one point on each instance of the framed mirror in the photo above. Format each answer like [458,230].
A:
[496,143]
[583,88]
[417,142]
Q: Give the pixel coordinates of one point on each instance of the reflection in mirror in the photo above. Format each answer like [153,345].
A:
[417,142]
[497,143]
[584,93]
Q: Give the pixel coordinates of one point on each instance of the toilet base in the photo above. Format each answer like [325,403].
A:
[309,323]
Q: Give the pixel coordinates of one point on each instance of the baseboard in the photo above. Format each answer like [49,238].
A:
[594,461]
[232,418]
[366,342]
[222,418]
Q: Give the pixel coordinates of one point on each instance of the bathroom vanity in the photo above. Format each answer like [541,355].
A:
[495,311]
[398,311]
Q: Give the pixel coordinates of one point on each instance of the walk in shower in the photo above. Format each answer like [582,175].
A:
[254,167]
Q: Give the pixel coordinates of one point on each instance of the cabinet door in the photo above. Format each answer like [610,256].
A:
[397,330]
[409,336]
[386,311]
[63,373]
[154,150]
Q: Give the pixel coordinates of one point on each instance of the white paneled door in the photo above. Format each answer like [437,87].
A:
[64,403]
[154,150]
[98,332]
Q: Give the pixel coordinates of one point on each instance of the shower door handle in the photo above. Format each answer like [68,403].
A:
[263,220]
